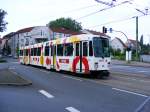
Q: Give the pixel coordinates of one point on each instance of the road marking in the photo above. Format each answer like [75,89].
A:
[72,109]
[129,92]
[135,79]
[72,78]
[14,72]
[11,68]
[143,81]
[14,62]
[45,93]
[142,71]
[142,105]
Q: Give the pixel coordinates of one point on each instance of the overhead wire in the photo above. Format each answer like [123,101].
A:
[117,21]
[124,2]
[81,8]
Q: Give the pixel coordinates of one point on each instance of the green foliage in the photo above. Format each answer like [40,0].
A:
[141,41]
[117,54]
[2,60]
[2,22]
[66,23]
[145,49]
[6,50]
[17,50]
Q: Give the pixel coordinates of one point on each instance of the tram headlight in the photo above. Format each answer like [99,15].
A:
[96,66]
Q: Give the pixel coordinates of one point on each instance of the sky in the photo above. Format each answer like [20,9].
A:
[27,13]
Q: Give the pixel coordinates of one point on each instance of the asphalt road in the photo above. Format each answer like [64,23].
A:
[57,92]
[133,70]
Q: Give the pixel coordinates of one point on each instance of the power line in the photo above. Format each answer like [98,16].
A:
[105,3]
[81,8]
[70,11]
[103,9]
[117,21]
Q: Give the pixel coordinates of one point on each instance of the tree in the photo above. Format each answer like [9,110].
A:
[141,41]
[66,23]
[145,49]
[2,22]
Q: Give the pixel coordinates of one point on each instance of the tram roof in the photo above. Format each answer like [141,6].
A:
[71,39]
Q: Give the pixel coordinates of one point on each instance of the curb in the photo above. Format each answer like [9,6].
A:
[16,84]
[23,82]
[130,65]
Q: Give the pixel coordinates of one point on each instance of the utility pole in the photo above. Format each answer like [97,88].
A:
[145,13]
[136,38]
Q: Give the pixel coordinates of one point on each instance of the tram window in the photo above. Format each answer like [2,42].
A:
[20,52]
[68,49]
[39,51]
[26,52]
[77,49]
[32,51]
[51,50]
[47,51]
[60,50]
[85,48]
[90,48]
[35,50]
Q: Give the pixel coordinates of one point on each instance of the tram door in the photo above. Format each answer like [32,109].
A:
[54,56]
[78,54]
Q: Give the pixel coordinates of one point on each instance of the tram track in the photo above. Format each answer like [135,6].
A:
[139,84]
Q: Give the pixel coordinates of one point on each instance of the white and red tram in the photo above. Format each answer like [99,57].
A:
[83,53]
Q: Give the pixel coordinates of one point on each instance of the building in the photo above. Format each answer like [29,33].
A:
[6,44]
[132,44]
[87,31]
[117,43]
[24,37]
[61,32]
[37,34]
[0,46]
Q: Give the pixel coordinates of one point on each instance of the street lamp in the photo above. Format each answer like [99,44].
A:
[128,44]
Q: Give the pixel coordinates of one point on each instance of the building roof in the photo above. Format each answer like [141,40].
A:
[24,30]
[8,35]
[133,42]
[65,31]
[121,42]
[96,33]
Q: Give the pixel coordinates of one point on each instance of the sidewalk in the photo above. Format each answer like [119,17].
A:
[8,77]
[132,63]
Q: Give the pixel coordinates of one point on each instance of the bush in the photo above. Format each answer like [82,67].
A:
[2,60]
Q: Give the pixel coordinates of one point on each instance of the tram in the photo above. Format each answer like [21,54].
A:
[84,54]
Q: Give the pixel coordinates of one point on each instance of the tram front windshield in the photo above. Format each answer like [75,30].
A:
[101,47]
